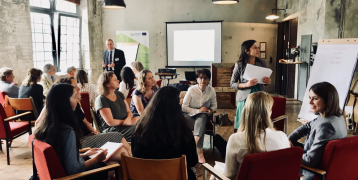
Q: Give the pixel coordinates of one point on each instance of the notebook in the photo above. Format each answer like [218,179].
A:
[112,148]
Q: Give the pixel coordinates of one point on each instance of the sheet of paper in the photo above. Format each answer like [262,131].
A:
[112,148]
[252,72]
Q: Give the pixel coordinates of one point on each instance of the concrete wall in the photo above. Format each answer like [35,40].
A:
[235,33]
[152,15]
[15,37]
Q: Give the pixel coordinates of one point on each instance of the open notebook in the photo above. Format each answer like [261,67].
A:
[112,148]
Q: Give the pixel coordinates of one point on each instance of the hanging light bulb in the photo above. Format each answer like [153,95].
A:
[114,4]
[224,2]
[272,17]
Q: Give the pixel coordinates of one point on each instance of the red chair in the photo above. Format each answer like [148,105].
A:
[48,165]
[159,83]
[279,113]
[130,93]
[281,165]
[12,130]
[2,97]
[339,160]
[85,104]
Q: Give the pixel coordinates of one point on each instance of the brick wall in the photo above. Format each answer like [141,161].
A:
[15,37]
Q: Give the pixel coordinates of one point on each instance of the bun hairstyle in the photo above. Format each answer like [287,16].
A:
[32,77]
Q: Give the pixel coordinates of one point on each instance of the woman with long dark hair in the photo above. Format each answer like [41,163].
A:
[59,128]
[85,86]
[250,53]
[329,125]
[162,131]
[128,81]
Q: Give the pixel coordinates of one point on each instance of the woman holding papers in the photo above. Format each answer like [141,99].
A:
[198,104]
[60,129]
[329,125]
[250,53]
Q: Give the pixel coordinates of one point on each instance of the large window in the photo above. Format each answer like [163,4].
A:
[55,34]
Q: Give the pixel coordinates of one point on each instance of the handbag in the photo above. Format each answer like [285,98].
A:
[223,120]
[220,144]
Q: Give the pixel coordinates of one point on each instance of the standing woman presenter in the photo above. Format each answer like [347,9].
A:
[250,53]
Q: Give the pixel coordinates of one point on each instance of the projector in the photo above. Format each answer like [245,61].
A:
[167,70]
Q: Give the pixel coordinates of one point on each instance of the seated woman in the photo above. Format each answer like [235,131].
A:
[30,88]
[128,81]
[162,132]
[91,137]
[255,134]
[137,67]
[111,107]
[142,95]
[82,83]
[59,129]
[329,125]
[198,104]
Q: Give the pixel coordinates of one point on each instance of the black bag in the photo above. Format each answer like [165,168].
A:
[181,87]
[220,144]
[223,120]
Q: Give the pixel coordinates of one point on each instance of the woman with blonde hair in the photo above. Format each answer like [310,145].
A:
[255,134]
[141,96]
[111,107]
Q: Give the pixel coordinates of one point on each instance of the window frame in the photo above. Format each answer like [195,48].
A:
[56,52]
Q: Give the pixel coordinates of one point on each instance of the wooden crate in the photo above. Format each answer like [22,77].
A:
[220,80]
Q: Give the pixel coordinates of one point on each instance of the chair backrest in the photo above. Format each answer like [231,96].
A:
[340,159]
[278,109]
[8,108]
[85,104]
[159,82]
[153,169]
[2,97]
[284,163]
[24,104]
[46,160]
[2,123]
[95,120]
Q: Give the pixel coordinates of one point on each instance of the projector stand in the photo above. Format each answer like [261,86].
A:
[164,76]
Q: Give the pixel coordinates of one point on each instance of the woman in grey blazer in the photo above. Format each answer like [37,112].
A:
[250,53]
[329,125]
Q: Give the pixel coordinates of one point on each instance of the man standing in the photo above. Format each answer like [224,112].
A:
[113,59]
[48,78]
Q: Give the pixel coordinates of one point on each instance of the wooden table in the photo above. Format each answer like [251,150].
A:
[164,76]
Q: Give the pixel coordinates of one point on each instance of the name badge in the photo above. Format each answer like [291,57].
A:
[116,59]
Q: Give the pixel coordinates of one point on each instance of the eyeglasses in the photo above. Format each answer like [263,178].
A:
[201,78]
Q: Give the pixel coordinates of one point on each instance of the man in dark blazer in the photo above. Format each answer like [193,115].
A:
[113,59]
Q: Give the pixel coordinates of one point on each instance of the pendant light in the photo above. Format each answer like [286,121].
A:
[274,16]
[225,2]
[114,4]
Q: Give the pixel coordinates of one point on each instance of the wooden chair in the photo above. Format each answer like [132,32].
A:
[339,160]
[86,106]
[24,104]
[48,165]
[95,120]
[279,114]
[279,165]
[154,169]
[12,130]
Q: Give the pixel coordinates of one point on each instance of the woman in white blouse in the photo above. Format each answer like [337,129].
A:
[198,104]
[82,83]
[128,81]
[255,134]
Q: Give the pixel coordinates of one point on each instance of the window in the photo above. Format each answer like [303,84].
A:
[55,34]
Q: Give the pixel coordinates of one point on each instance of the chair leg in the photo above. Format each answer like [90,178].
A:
[7,152]
[116,174]
[0,145]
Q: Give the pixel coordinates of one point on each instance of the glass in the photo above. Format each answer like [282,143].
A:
[48,56]
[48,47]
[40,56]
[38,37]
[40,3]
[66,6]
[47,38]
[39,46]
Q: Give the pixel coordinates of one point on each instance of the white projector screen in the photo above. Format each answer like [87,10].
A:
[193,44]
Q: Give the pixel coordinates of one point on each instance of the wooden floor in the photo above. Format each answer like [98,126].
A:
[20,153]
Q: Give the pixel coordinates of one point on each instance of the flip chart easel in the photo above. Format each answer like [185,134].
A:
[335,63]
